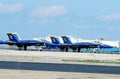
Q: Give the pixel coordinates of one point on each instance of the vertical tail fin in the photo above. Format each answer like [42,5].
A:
[55,40]
[13,36]
[66,39]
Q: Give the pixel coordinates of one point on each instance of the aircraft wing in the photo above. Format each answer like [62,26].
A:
[30,42]
[49,44]
[85,45]
[101,45]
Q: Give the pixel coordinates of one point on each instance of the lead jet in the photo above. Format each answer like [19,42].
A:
[15,40]
[78,45]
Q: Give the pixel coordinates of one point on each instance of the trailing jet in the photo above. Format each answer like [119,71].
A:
[61,46]
[54,43]
[15,40]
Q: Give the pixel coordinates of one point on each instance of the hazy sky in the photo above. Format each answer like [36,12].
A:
[87,19]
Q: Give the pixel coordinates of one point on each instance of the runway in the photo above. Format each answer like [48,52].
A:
[49,65]
[78,68]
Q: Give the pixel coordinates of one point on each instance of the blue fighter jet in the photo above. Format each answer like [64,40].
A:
[56,44]
[61,46]
[15,40]
[78,45]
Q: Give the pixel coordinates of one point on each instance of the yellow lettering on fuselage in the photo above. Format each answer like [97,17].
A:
[11,37]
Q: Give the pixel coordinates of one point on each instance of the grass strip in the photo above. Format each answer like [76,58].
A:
[94,61]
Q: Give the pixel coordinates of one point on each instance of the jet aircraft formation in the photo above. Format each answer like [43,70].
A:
[67,44]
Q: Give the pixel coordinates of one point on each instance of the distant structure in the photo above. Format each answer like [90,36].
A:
[101,39]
